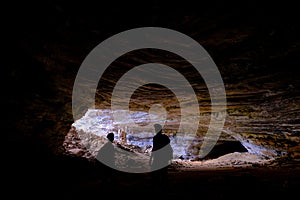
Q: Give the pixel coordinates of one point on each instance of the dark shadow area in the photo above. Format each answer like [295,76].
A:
[223,148]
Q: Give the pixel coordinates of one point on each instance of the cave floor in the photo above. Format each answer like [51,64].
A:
[222,183]
[74,178]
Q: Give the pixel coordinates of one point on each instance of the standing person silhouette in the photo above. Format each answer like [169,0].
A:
[106,155]
[160,159]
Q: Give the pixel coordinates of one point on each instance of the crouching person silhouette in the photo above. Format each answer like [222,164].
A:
[106,155]
[160,159]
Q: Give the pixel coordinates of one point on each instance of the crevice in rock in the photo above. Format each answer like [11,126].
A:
[225,147]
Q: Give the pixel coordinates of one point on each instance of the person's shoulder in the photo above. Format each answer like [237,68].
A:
[107,145]
[166,138]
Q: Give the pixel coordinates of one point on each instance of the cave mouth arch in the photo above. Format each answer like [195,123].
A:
[96,123]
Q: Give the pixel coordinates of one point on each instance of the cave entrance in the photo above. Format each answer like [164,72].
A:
[99,122]
[89,131]
[224,147]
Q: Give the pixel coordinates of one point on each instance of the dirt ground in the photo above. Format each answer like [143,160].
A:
[234,182]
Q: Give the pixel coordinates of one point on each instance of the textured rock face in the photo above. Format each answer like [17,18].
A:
[271,123]
[262,93]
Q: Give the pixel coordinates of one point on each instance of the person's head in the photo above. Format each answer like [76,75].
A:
[158,128]
[110,136]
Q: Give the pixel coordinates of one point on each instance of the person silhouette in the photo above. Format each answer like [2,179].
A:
[160,159]
[106,155]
